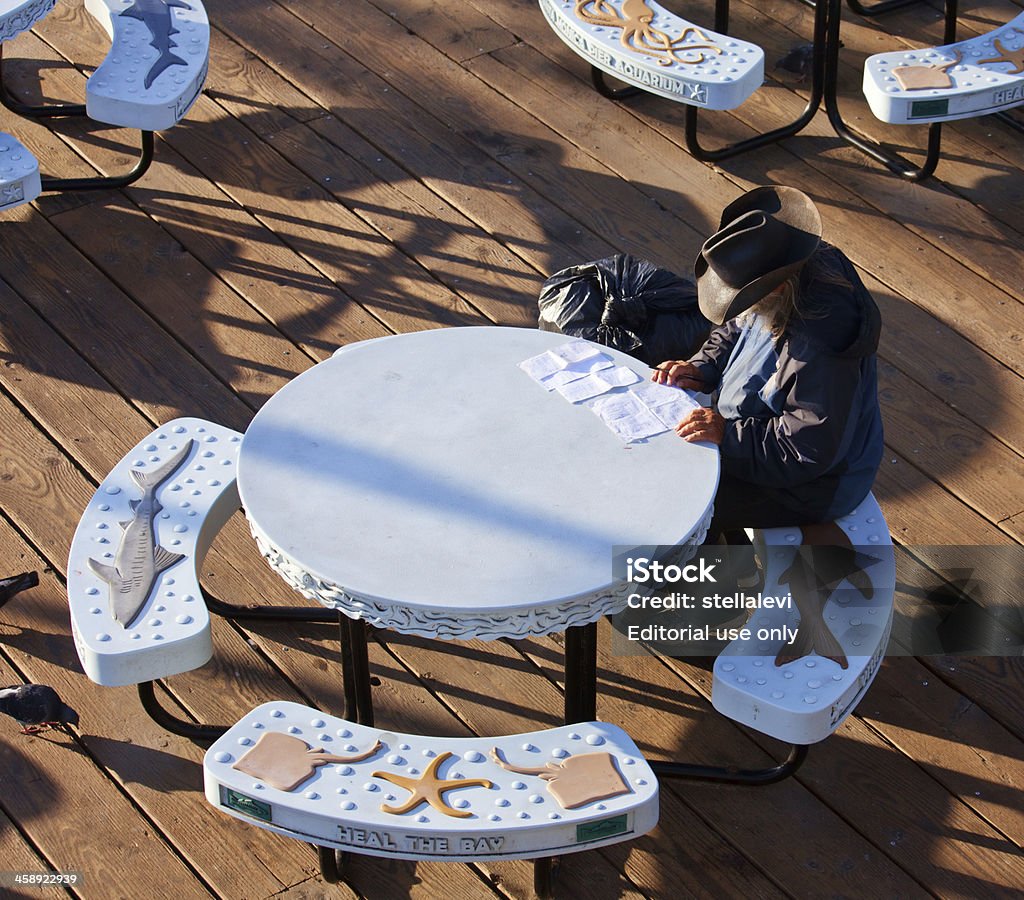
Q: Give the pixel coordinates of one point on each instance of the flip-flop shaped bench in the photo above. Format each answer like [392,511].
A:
[149,79]
[975,77]
[19,173]
[640,43]
[156,65]
[801,690]
[137,609]
[337,784]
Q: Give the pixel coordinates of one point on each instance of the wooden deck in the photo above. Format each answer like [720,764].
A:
[363,167]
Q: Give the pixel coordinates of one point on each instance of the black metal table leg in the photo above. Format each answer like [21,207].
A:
[355,670]
[581,673]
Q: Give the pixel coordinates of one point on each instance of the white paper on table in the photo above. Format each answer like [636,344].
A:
[576,370]
[565,363]
[620,376]
[584,388]
[673,412]
[617,405]
[653,395]
[636,427]
[574,351]
[543,365]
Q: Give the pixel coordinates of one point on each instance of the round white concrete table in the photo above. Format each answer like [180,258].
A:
[425,483]
[17,16]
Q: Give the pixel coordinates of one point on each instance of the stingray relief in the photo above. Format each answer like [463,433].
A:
[284,762]
[575,780]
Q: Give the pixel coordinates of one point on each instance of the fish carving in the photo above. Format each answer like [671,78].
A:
[156,16]
[813,577]
[576,780]
[139,559]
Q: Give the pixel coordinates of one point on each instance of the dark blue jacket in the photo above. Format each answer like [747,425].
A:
[801,411]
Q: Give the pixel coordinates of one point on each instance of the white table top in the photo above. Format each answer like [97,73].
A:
[426,483]
[17,16]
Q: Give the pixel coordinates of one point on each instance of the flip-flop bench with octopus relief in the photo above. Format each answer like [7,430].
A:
[651,49]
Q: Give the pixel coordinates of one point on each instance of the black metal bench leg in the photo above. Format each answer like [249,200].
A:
[106,182]
[545,870]
[818,78]
[332,863]
[877,151]
[29,111]
[191,730]
[732,775]
[273,613]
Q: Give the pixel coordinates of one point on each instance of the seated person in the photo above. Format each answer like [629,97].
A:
[791,365]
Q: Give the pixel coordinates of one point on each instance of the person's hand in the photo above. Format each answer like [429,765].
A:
[702,424]
[679,373]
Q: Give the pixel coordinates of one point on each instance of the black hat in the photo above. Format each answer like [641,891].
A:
[764,237]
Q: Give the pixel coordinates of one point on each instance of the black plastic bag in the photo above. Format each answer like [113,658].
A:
[626,303]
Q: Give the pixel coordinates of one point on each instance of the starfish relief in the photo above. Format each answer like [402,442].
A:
[428,788]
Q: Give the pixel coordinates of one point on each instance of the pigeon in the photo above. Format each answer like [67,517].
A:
[799,61]
[15,584]
[36,707]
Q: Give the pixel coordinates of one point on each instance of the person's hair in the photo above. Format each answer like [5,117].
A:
[788,300]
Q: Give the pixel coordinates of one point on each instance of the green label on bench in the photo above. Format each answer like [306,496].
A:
[920,109]
[246,805]
[594,831]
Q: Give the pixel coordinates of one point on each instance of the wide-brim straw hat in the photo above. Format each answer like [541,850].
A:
[764,237]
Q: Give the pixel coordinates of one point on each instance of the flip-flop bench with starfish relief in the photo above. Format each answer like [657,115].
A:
[325,780]
[652,49]
[976,77]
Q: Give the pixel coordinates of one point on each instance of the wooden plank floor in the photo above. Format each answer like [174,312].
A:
[360,168]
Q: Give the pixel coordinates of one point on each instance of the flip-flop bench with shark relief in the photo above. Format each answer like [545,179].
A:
[650,48]
[302,773]
[981,75]
[137,610]
[807,663]
[156,65]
